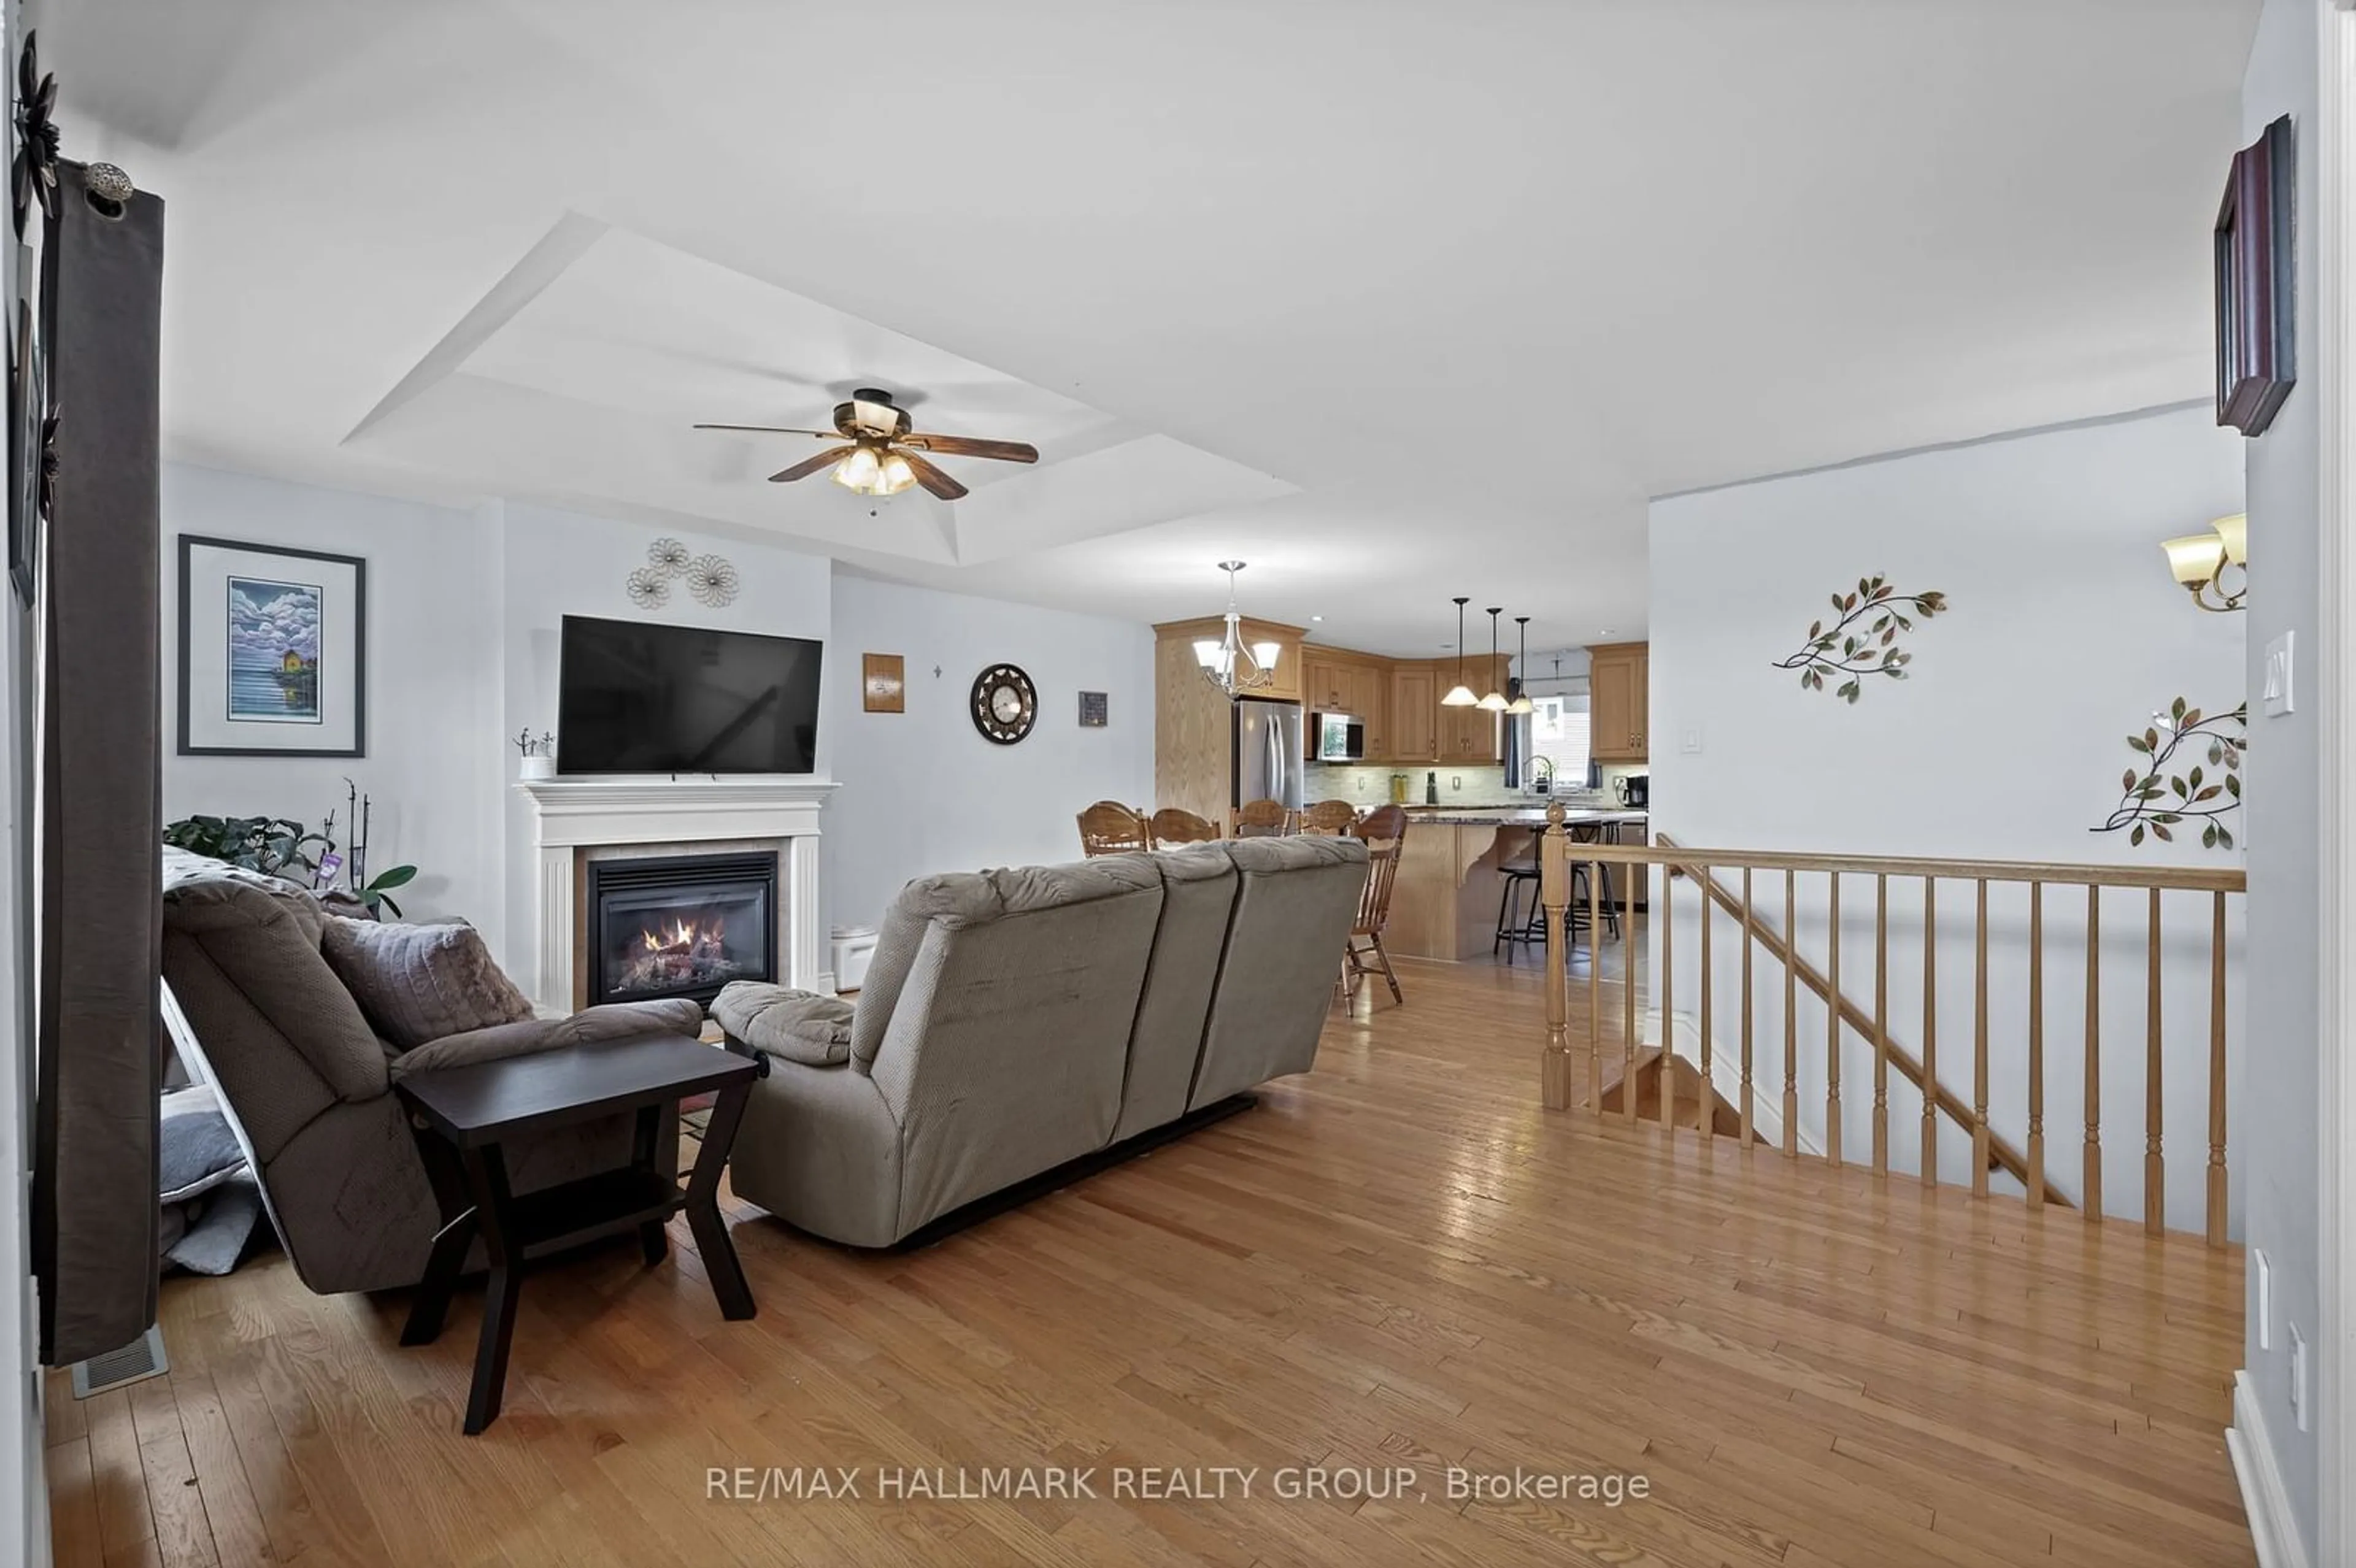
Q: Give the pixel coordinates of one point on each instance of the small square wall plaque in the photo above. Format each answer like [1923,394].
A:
[882,686]
[1095,708]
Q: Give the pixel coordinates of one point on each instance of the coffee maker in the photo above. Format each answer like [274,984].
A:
[1634,790]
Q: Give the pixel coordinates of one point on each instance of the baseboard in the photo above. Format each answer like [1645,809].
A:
[2272,1528]
[1726,1079]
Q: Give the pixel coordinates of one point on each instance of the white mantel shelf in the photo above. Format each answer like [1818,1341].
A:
[572,814]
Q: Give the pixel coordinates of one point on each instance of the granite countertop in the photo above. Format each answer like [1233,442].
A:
[1528,814]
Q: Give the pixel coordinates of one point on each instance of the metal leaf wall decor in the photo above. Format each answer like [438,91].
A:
[1864,641]
[2155,802]
[33,178]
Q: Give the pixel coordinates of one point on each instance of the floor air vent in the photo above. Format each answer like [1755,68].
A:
[141,1358]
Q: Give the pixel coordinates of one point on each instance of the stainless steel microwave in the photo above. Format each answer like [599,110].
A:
[1339,738]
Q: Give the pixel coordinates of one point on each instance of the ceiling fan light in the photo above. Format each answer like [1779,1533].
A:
[1459,696]
[859,471]
[893,475]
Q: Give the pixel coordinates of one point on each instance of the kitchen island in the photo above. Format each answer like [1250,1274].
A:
[1444,904]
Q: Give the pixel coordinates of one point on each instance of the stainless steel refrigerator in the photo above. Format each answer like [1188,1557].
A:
[1268,761]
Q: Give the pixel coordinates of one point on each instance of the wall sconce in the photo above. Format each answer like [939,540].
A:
[2201,561]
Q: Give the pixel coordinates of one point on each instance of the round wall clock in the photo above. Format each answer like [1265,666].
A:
[1005,703]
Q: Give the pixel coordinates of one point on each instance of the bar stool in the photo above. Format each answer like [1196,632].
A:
[1513,925]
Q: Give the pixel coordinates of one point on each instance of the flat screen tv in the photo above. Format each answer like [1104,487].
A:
[637,698]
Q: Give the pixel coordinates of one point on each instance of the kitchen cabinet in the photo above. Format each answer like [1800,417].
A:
[1325,683]
[1370,698]
[1620,687]
[1414,717]
[1474,736]
[1193,736]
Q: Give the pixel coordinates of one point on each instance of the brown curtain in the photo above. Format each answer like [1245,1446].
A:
[94,1221]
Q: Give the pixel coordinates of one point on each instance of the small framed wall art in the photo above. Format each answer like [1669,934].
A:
[273,644]
[2257,281]
[1095,709]
[882,682]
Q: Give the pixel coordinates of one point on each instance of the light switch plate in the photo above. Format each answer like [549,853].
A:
[1692,741]
[2274,697]
[2264,1274]
[2299,1400]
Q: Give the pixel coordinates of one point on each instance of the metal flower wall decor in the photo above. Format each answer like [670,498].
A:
[711,579]
[1864,641]
[34,178]
[2155,801]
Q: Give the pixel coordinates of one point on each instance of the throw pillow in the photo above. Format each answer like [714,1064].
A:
[419,983]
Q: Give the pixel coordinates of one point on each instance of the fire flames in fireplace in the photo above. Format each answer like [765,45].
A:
[685,955]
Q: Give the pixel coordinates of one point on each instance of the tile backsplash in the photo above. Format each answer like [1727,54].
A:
[1459,784]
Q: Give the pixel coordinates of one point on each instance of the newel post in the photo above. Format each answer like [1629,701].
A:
[1554,897]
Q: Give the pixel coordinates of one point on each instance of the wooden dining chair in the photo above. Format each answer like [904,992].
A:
[1383,832]
[1171,825]
[1262,819]
[1329,817]
[1108,827]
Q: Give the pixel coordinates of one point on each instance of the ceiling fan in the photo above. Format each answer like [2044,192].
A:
[879,452]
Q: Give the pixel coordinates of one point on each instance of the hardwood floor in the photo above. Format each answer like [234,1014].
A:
[1399,1262]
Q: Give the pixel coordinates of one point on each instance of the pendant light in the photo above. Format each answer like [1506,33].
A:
[1494,703]
[1521,702]
[1460,695]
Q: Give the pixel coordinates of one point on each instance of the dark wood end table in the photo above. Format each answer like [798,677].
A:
[462,1116]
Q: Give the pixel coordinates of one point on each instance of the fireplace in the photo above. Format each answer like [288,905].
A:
[680,925]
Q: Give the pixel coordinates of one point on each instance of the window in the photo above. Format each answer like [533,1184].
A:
[1558,733]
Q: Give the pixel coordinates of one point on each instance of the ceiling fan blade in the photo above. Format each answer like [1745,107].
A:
[972,446]
[775,430]
[810,465]
[932,478]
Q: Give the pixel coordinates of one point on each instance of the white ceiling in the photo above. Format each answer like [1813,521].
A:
[1394,300]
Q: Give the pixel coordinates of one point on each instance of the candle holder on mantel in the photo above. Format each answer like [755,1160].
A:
[537,758]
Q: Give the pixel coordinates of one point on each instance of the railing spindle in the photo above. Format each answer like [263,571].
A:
[1595,986]
[2036,1046]
[2217,1071]
[1628,994]
[1833,1038]
[1791,1022]
[1930,1031]
[1747,929]
[1881,1024]
[2155,1169]
[1980,1050]
[1665,1066]
[1704,1119]
[2092,1202]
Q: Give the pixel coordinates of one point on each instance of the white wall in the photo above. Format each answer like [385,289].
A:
[2284,803]
[2064,633]
[560,563]
[433,713]
[464,609]
[922,791]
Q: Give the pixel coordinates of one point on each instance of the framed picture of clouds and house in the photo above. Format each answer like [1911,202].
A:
[274,646]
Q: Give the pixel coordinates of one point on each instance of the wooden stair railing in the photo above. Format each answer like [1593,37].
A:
[2000,1155]
[1989,1150]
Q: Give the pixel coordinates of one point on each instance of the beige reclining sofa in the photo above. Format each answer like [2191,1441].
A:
[1015,1021]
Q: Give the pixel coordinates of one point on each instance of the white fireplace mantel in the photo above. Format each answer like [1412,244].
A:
[572,814]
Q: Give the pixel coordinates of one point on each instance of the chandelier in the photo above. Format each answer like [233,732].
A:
[1226,663]
[2199,560]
